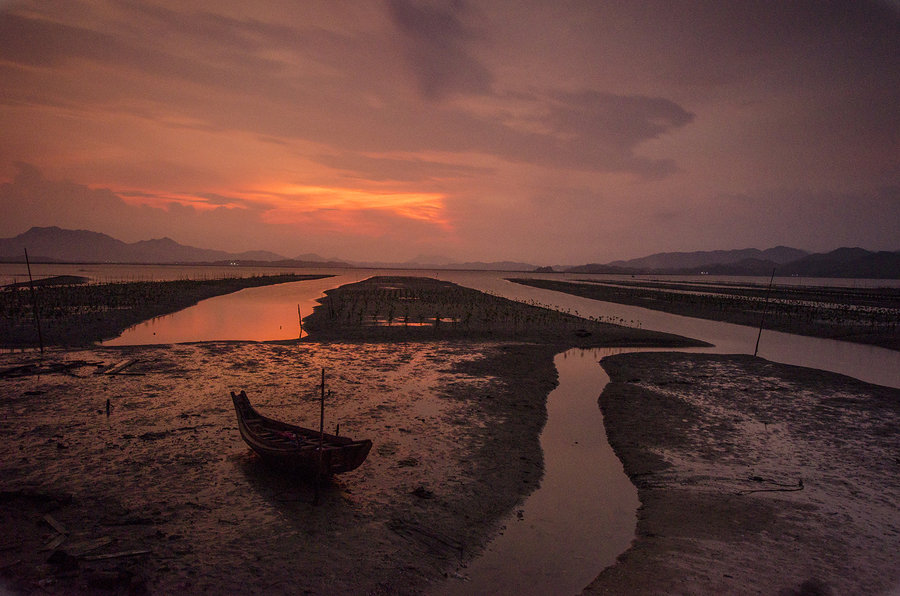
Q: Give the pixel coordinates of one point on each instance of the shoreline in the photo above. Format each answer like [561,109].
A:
[754,477]
[456,424]
[78,314]
[867,316]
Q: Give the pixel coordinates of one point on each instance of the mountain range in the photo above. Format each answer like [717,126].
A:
[785,261]
[53,244]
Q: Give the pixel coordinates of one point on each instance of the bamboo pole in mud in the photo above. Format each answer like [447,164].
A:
[321,439]
[34,304]
[300,319]
[763,317]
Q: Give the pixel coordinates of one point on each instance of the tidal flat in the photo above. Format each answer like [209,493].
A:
[162,495]
[866,315]
[66,311]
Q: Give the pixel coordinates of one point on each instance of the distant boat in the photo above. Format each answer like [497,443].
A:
[296,447]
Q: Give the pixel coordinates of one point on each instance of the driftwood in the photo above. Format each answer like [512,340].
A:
[119,368]
[125,553]
[44,368]
[55,543]
[78,549]
[779,486]
[51,521]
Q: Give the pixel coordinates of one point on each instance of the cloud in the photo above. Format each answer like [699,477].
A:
[397,169]
[338,221]
[633,122]
[435,38]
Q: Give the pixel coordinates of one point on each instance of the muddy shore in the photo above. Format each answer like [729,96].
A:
[166,476]
[754,477]
[162,495]
[860,315]
[78,314]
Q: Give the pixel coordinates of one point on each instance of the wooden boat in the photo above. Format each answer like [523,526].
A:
[296,447]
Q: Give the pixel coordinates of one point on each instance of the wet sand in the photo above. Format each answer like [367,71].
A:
[718,446]
[165,488]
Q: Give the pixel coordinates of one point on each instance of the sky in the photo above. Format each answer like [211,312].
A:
[562,132]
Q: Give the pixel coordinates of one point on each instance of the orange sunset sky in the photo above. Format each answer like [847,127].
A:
[545,132]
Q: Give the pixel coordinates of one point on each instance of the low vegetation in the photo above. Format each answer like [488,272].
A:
[413,308]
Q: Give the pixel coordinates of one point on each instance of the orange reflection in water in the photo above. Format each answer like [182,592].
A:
[254,314]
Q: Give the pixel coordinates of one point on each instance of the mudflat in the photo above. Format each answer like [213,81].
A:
[754,477]
[161,494]
[73,313]
[860,315]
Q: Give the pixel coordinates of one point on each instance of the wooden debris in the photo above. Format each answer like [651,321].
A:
[78,549]
[117,368]
[124,553]
[51,521]
[41,368]
[55,543]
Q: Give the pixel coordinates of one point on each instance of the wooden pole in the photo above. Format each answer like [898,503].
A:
[763,317]
[321,439]
[34,304]
[300,319]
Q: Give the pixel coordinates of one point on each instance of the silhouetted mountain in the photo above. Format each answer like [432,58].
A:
[847,262]
[598,268]
[287,263]
[843,262]
[689,260]
[757,267]
[449,265]
[308,257]
[83,246]
[430,261]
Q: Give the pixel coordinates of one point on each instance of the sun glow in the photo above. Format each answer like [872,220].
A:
[294,202]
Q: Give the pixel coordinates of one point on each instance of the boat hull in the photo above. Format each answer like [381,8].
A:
[300,449]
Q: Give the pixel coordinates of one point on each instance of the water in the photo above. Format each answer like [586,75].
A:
[583,514]
[264,313]
[867,363]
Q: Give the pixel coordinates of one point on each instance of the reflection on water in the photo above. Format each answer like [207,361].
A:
[582,516]
[266,313]
[867,363]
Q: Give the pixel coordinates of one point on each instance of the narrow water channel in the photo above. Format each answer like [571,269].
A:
[265,313]
[583,514]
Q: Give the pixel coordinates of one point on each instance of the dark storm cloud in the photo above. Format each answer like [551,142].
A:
[434,39]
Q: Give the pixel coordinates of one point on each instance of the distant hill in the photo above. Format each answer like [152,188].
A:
[598,268]
[82,246]
[445,264]
[688,260]
[847,262]
[843,262]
